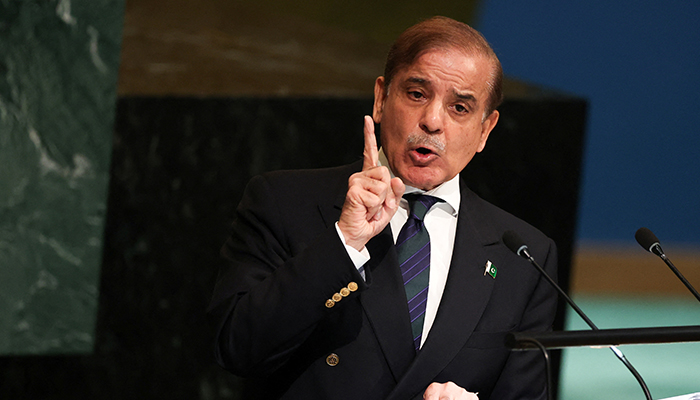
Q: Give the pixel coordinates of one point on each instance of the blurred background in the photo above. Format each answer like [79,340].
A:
[128,129]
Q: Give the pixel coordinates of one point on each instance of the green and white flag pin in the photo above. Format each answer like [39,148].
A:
[490,269]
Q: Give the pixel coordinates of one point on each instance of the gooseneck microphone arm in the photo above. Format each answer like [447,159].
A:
[517,246]
[513,241]
[650,243]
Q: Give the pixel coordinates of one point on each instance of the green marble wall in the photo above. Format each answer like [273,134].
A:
[58,73]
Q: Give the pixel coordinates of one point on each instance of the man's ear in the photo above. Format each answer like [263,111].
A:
[486,128]
[380,92]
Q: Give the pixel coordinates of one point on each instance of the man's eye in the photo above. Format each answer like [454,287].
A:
[416,95]
[461,109]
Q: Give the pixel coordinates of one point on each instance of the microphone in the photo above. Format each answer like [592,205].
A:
[650,243]
[513,241]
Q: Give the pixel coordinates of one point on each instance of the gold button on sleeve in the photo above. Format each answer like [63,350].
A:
[332,359]
[352,286]
[330,303]
[345,292]
[337,297]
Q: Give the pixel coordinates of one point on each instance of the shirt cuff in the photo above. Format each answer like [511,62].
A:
[359,258]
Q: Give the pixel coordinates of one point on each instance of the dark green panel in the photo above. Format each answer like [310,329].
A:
[58,73]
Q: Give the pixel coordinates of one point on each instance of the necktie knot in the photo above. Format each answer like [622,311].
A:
[419,204]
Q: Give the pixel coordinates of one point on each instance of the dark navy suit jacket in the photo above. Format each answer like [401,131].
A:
[272,323]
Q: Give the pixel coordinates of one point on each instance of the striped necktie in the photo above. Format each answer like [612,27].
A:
[413,247]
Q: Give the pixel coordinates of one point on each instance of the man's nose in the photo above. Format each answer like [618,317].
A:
[432,120]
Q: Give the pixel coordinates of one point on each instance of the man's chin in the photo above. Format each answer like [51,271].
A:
[424,180]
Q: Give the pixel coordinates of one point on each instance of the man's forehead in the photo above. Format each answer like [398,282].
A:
[451,51]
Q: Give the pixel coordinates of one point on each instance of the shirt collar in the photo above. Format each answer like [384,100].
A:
[447,191]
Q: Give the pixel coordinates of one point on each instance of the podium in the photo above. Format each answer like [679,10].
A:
[604,338]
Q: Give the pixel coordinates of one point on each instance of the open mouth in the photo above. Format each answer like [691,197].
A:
[424,149]
[422,155]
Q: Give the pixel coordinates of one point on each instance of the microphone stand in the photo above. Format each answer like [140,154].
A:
[547,366]
[590,323]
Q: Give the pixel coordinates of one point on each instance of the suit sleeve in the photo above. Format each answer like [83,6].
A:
[272,293]
[524,375]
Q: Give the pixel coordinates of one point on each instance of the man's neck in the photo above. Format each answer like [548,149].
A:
[448,190]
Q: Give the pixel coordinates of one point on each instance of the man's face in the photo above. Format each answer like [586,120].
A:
[432,116]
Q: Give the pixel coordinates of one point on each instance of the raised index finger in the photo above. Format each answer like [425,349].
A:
[371,153]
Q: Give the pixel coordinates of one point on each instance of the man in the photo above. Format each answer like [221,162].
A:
[314,303]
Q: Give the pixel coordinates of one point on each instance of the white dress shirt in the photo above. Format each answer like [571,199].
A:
[441,223]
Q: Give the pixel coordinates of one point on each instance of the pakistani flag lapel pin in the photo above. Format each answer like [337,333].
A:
[490,269]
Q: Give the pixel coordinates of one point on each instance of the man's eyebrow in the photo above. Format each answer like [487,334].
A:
[464,96]
[417,80]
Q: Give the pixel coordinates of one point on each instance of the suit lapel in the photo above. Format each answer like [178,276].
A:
[464,300]
[384,301]
[385,304]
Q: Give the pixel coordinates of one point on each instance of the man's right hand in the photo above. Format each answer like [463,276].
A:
[372,198]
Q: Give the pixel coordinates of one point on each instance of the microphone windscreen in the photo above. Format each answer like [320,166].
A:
[513,241]
[646,238]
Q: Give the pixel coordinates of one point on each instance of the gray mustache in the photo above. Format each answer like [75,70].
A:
[415,139]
